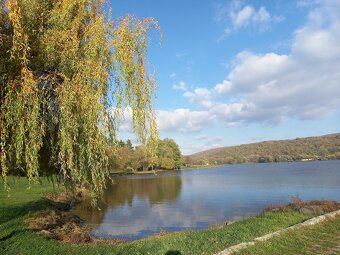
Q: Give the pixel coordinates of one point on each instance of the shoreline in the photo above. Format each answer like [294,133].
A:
[197,167]
[126,173]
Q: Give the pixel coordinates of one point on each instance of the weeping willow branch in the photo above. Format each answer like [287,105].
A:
[63,68]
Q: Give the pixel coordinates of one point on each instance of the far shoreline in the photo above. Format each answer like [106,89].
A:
[198,167]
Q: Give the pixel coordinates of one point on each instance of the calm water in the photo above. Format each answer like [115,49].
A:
[137,206]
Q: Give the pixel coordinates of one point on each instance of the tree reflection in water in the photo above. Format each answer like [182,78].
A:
[157,190]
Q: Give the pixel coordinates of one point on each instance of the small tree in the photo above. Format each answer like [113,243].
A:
[169,154]
[66,75]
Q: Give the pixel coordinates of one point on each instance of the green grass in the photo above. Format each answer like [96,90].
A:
[23,203]
[315,240]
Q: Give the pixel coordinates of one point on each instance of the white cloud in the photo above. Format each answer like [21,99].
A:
[223,88]
[242,18]
[270,87]
[250,67]
[227,111]
[237,15]
[304,83]
[201,96]
[183,120]
[262,15]
[178,120]
[311,41]
[180,86]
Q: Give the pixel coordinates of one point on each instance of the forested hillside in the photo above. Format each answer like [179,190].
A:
[311,148]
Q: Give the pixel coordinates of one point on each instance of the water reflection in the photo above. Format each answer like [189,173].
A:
[137,206]
[125,190]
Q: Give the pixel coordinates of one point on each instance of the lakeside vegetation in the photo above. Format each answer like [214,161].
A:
[300,149]
[15,238]
[125,158]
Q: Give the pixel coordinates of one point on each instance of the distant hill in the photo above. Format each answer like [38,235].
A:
[300,149]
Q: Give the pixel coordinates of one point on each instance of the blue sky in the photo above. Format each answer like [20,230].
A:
[242,71]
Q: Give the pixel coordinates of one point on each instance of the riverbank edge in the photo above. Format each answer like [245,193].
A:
[155,172]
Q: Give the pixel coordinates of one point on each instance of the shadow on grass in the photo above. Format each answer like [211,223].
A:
[13,212]
[10,235]
[173,253]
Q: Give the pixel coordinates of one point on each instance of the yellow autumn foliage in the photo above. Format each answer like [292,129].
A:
[67,73]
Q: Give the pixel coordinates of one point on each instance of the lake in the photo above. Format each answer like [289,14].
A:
[141,205]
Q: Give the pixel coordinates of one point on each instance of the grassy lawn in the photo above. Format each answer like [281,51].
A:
[320,239]
[15,238]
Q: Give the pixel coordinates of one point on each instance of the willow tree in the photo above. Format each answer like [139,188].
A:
[67,73]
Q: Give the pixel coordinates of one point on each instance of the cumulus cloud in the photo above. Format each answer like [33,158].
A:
[303,84]
[187,121]
[228,111]
[237,15]
[180,86]
[201,96]
[223,88]
[242,17]
[179,120]
[183,120]
[266,88]
[251,67]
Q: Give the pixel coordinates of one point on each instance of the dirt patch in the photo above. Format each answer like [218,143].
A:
[60,224]
[161,233]
[215,226]
[308,207]
[66,227]
[67,197]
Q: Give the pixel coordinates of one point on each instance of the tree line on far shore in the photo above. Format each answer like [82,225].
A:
[124,156]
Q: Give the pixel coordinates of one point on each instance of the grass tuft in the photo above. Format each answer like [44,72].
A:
[308,207]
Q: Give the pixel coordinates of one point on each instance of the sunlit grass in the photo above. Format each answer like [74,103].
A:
[319,239]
